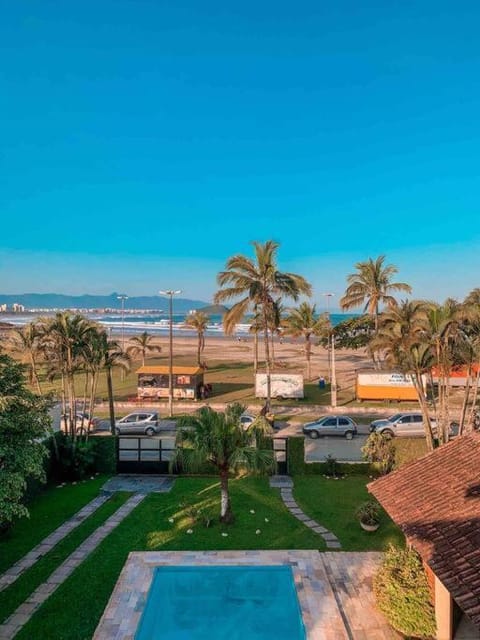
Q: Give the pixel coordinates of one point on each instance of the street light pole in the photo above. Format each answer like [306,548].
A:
[170,293]
[331,364]
[123,298]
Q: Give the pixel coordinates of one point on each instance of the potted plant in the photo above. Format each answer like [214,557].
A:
[368,515]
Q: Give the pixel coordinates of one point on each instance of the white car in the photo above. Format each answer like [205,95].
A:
[83,423]
[138,423]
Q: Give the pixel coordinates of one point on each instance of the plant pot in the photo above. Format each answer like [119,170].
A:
[369,527]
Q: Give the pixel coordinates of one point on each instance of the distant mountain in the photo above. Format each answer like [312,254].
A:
[61,301]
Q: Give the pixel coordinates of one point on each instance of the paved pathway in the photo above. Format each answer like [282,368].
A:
[285,484]
[139,484]
[24,612]
[47,544]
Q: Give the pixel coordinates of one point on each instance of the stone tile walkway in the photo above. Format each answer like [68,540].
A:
[47,544]
[333,589]
[24,612]
[139,484]
[285,484]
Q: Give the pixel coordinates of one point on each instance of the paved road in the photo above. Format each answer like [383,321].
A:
[339,448]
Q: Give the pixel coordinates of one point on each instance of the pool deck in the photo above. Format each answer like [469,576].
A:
[334,590]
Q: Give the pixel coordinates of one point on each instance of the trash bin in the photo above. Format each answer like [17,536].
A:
[321,383]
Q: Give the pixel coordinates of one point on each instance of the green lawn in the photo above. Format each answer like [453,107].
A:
[74,610]
[333,503]
[19,591]
[47,511]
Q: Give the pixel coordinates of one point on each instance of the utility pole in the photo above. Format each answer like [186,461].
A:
[123,298]
[331,361]
[170,293]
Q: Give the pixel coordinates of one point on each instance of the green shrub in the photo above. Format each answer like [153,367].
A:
[105,449]
[76,458]
[402,593]
[380,451]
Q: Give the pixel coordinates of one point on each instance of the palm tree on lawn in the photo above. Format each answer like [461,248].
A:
[26,341]
[257,282]
[198,320]
[372,286]
[218,439]
[113,357]
[142,345]
[303,322]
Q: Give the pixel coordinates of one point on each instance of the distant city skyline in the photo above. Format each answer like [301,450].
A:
[144,143]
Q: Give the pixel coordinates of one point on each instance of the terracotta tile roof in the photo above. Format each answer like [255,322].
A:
[436,502]
[156,369]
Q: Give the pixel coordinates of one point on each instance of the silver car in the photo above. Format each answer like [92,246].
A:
[138,423]
[406,425]
[331,426]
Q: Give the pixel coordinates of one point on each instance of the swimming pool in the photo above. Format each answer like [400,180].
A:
[222,602]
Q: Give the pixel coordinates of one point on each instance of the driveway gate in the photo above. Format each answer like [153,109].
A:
[143,454]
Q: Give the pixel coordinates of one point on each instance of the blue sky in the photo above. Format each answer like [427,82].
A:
[145,142]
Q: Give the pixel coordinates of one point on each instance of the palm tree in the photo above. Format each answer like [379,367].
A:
[371,286]
[218,439]
[26,341]
[198,320]
[142,344]
[256,282]
[303,322]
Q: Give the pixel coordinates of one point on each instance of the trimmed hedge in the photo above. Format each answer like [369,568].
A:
[105,449]
[297,466]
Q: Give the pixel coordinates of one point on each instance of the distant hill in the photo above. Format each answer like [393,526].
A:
[87,301]
[214,309]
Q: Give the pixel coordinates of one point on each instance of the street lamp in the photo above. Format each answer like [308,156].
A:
[170,293]
[123,298]
[333,373]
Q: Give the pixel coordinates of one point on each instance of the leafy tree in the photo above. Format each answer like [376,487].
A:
[304,322]
[402,593]
[257,282]
[380,451]
[218,439]
[198,320]
[26,341]
[372,286]
[354,333]
[142,345]
[24,421]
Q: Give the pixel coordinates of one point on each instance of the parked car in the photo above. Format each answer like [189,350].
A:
[331,426]
[138,423]
[246,419]
[83,422]
[407,425]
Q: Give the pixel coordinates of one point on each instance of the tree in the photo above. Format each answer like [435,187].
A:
[372,286]
[141,345]
[303,322]
[257,282]
[24,421]
[198,320]
[218,439]
[26,341]
[113,357]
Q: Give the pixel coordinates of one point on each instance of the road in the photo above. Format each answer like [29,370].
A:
[339,448]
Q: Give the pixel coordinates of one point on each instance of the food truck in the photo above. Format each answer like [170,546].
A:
[153,383]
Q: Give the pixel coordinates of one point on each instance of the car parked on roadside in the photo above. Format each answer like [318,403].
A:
[138,423]
[331,426]
[83,423]
[406,425]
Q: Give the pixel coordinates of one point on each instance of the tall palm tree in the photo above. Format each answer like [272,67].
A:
[304,322]
[218,439]
[113,357]
[198,320]
[26,341]
[372,286]
[257,282]
[142,344]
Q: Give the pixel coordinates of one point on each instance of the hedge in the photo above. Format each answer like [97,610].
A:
[296,464]
[105,454]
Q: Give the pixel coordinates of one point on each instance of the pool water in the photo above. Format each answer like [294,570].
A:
[222,603]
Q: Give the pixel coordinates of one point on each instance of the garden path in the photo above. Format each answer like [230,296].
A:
[285,484]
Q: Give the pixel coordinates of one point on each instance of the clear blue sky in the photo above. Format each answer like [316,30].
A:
[142,143]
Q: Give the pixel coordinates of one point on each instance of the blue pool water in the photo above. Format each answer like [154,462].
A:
[222,603]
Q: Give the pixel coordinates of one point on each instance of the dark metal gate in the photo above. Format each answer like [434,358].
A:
[141,454]
[280,450]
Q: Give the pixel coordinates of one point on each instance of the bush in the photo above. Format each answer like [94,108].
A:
[379,451]
[76,459]
[369,513]
[105,449]
[402,593]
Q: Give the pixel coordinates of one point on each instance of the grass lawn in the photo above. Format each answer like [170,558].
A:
[333,503]
[74,610]
[47,511]
[19,591]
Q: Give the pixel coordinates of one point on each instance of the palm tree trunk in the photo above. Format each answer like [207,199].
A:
[34,374]
[144,353]
[308,347]
[466,398]
[111,406]
[474,401]
[199,348]
[226,515]
[267,356]
[417,381]
[255,352]
[273,349]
